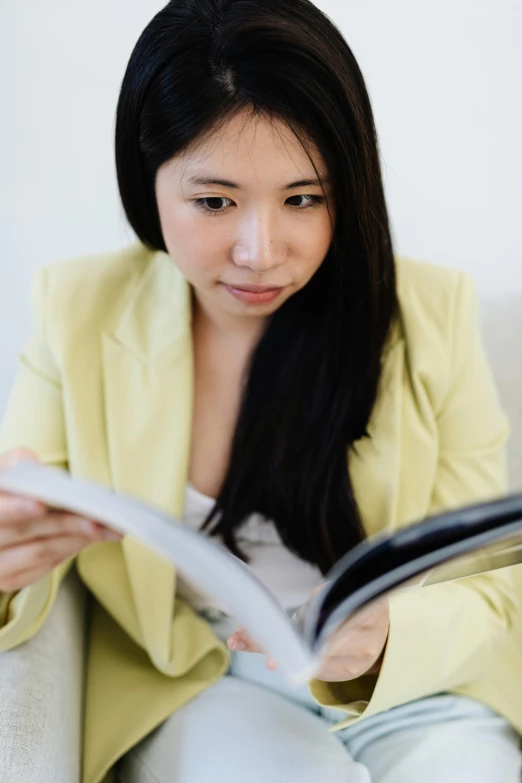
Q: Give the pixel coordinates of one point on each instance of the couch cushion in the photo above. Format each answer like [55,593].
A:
[501,322]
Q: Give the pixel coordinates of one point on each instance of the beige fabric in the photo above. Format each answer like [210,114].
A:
[41,685]
[501,320]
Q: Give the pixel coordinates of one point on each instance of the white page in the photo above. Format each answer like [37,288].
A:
[217,571]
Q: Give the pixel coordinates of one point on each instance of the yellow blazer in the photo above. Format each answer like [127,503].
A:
[104,388]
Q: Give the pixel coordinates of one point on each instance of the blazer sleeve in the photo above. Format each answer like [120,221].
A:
[34,418]
[444,636]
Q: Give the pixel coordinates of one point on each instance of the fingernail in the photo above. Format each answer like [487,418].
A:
[86,527]
[236,644]
[112,535]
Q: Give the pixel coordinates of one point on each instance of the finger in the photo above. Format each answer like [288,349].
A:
[17,507]
[347,666]
[340,670]
[14,583]
[319,587]
[56,524]
[271,663]
[21,454]
[354,642]
[41,551]
[242,642]
[365,621]
[36,556]
[372,612]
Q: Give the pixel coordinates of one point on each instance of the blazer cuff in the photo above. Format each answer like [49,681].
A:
[440,637]
[25,611]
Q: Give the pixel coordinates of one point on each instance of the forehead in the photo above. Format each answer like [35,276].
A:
[247,145]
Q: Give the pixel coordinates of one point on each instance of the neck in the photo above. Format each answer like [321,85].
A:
[223,326]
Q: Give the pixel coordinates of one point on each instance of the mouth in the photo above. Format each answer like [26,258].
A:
[254,294]
[255,289]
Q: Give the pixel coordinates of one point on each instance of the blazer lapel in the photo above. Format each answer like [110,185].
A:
[385,467]
[375,462]
[148,390]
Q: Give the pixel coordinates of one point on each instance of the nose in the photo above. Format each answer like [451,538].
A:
[259,246]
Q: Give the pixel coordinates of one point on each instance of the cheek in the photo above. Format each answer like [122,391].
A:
[196,247]
[314,244]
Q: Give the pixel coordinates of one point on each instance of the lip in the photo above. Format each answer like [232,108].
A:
[254,294]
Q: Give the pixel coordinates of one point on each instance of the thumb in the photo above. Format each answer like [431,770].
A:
[11,458]
[241,640]
[319,587]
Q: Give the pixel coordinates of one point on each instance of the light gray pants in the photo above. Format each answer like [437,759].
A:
[252,727]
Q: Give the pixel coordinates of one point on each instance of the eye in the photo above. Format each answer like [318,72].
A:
[217,204]
[312,201]
[211,203]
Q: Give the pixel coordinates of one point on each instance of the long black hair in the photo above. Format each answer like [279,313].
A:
[313,378]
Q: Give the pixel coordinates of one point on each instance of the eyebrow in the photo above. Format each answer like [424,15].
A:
[225,183]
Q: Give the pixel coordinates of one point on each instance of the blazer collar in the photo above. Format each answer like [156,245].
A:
[148,393]
[158,313]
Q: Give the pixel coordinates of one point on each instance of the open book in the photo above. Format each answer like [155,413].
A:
[452,545]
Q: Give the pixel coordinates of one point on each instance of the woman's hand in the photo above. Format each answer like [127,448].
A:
[356,648]
[33,538]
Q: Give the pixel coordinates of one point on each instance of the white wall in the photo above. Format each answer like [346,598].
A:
[445,80]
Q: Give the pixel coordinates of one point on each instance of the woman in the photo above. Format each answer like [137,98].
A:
[261,351]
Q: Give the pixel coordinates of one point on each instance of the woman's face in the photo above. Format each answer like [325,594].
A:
[244,218]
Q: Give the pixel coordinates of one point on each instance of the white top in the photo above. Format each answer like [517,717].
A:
[289,579]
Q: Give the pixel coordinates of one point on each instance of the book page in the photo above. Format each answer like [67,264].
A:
[215,570]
